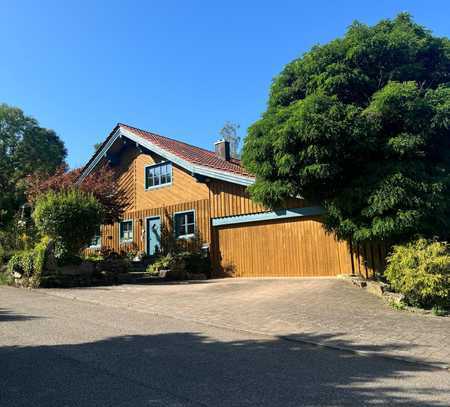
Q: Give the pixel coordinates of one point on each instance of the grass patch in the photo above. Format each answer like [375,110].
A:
[439,311]
[400,306]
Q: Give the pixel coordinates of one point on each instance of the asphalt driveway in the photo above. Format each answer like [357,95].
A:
[324,311]
[61,352]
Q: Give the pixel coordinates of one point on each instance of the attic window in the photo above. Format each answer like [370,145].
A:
[158,175]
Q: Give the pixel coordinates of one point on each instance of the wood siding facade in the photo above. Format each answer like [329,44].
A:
[230,199]
[184,187]
[297,247]
[110,236]
[286,248]
[131,179]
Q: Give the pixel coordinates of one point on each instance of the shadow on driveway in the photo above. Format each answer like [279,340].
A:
[6,315]
[190,369]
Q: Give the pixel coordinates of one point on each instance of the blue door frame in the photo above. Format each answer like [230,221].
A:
[153,235]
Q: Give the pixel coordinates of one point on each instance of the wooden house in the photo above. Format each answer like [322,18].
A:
[193,193]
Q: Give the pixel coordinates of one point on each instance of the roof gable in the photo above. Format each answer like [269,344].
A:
[194,159]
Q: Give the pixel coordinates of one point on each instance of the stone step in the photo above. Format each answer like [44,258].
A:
[136,278]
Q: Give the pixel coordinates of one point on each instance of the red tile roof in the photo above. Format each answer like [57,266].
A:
[190,153]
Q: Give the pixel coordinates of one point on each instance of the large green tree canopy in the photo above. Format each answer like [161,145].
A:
[25,148]
[361,125]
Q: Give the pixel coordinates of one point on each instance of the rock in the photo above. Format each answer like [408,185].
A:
[376,287]
[359,281]
[393,298]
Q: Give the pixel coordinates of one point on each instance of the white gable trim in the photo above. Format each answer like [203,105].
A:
[193,168]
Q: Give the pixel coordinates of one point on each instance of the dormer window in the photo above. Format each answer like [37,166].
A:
[158,175]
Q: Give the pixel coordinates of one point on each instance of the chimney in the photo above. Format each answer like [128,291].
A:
[222,149]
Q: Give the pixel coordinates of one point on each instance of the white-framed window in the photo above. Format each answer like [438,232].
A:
[96,241]
[126,231]
[158,175]
[184,224]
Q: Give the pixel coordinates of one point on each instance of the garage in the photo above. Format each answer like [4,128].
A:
[288,244]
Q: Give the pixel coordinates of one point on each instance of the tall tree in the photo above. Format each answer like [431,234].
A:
[102,184]
[229,132]
[25,148]
[361,125]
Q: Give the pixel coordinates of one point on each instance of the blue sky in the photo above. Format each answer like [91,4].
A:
[179,68]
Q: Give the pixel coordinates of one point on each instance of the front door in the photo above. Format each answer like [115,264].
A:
[153,235]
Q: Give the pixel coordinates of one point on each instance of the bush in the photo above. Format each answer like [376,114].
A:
[161,263]
[2,254]
[68,259]
[107,260]
[438,311]
[30,263]
[94,256]
[21,263]
[39,253]
[108,253]
[180,264]
[71,218]
[421,271]
[17,235]
[197,263]
[5,279]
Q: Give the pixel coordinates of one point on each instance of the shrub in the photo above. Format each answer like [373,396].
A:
[108,253]
[171,244]
[2,254]
[15,264]
[194,262]
[30,263]
[161,263]
[68,259]
[113,264]
[5,279]
[102,183]
[421,271]
[39,258]
[438,311]
[71,218]
[17,235]
[94,256]
[21,263]
[180,264]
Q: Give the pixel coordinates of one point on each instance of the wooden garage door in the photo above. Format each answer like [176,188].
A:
[283,248]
